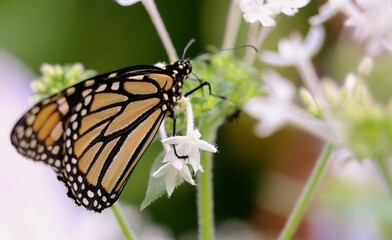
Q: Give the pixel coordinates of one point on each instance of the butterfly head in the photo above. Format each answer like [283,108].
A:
[181,69]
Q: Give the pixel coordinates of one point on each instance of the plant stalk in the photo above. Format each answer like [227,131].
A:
[307,194]
[121,221]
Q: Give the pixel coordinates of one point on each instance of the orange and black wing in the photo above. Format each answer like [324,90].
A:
[94,133]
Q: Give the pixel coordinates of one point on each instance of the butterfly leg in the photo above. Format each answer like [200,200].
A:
[174,134]
[203,84]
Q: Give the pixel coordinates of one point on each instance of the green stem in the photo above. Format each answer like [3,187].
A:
[307,194]
[205,203]
[384,167]
[126,231]
[205,199]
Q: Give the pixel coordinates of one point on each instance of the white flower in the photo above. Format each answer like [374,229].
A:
[173,167]
[294,50]
[277,109]
[287,7]
[373,25]
[256,10]
[127,2]
[190,145]
[330,9]
[186,146]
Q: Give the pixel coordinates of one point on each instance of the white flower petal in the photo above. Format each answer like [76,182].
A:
[127,2]
[170,181]
[278,86]
[314,40]
[195,134]
[186,175]
[178,163]
[183,148]
[294,50]
[254,11]
[170,156]
[173,140]
[329,10]
[194,160]
[203,145]
[287,7]
[161,171]
[372,23]
[274,58]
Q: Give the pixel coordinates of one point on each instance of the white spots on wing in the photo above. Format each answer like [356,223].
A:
[35,110]
[137,77]
[70,90]
[74,125]
[75,187]
[90,194]
[28,132]
[73,117]
[55,150]
[78,107]
[63,107]
[113,74]
[115,86]
[45,101]
[30,119]
[87,100]
[86,92]
[89,83]
[101,88]
[57,163]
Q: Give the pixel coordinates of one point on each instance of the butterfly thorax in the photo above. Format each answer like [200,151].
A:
[180,71]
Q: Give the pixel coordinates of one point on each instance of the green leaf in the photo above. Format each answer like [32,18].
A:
[156,185]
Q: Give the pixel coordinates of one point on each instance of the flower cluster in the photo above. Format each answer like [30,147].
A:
[371,21]
[57,77]
[265,12]
[183,153]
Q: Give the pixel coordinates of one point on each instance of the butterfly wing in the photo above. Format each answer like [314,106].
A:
[94,133]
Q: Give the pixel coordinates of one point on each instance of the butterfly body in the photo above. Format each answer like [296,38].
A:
[93,133]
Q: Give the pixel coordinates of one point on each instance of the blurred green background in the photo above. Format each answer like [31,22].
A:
[105,36]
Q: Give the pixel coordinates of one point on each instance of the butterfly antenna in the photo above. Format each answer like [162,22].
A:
[187,47]
[226,49]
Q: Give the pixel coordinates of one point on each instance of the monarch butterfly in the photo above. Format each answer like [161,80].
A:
[93,133]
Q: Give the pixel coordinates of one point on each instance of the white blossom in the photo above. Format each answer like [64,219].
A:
[373,25]
[264,12]
[277,109]
[371,21]
[329,10]
[172,168]
[293,50]
[256,10]
[188,147]
[287,7]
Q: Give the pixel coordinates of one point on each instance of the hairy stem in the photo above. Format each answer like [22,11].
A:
[307,194]
[121,221]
